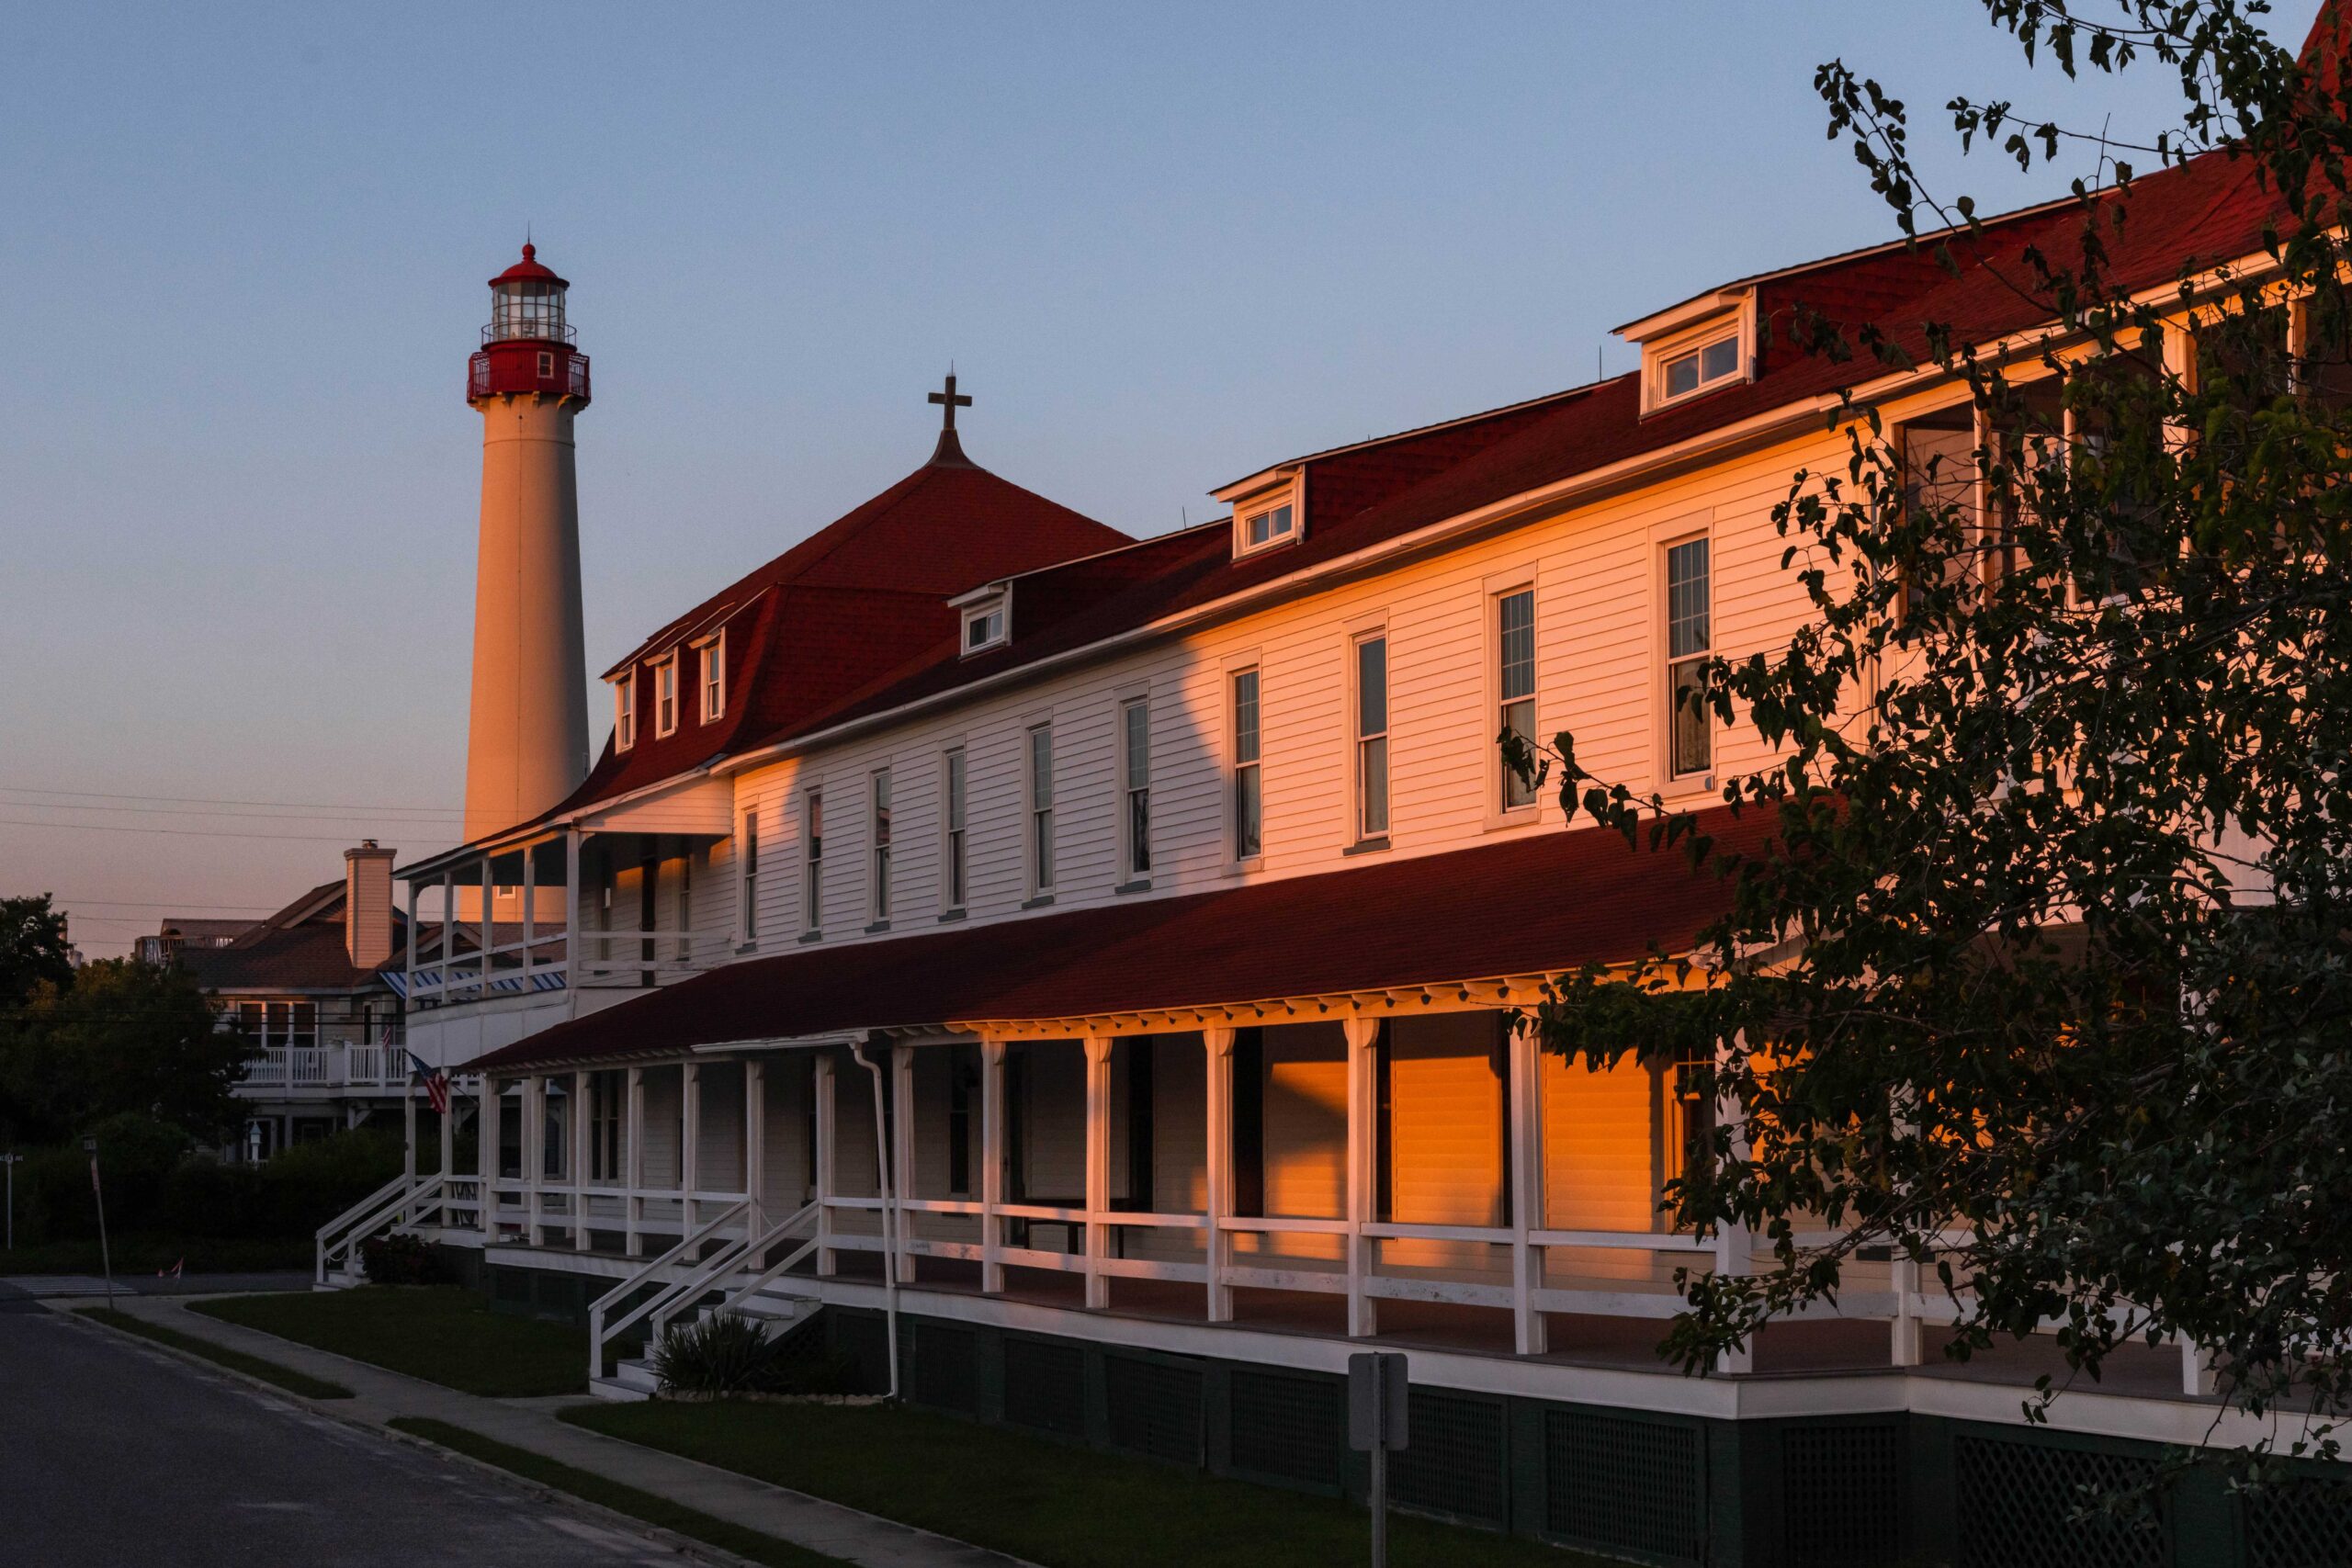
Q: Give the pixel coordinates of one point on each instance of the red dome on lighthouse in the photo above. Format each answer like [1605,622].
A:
[528,346]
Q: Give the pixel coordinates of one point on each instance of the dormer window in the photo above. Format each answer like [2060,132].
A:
[1696,369]
[1267,516]
[625,712]
[988,618]
[665,697]
[1272,526]
[713,684]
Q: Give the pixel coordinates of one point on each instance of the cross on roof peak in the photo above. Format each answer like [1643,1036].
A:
[950,400]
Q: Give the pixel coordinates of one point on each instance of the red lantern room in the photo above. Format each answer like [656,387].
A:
[527,348]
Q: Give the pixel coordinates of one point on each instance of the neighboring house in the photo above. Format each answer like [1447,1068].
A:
[1159,909]
[310,986]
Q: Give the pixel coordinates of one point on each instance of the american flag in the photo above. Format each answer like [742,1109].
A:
[435,1081]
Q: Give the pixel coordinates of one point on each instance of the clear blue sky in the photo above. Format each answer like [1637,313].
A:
[243,258]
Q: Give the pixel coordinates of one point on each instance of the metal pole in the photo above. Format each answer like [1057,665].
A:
[106,1258]
[10,1160]
[1380,1488]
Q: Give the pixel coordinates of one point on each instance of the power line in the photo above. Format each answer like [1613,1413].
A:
[216,800]
[155,904]
[343,839]
[238,815]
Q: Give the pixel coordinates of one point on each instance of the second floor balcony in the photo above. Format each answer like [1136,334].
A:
[332,1058]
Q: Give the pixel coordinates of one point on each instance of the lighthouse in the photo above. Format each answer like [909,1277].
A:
[527,745]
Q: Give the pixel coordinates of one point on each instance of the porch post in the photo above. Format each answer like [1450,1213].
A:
[530,894]
[1526,1091]
[581,1145]
[1218,1047]
[412,938]
[902,1152]
[633,1152]
[572,845]
[408,1124]
[991,1165]
[448,1146]
[828,1262]
[689,1141]
[489,936]
[1364,1150]
[1732,1241]
[448,933]
[755,1143]
[486,1157]
[1098,1167]
[534,1140]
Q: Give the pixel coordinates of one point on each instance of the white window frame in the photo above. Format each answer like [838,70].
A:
[878,845]
[1735,327]
[1499,588]
[1037,800]
[1664,541]
[991,618]
[1134,790]
[710,687]
[625,711]
[747,879]
[812,862]
[1369,752]
[1240,770]
[955,836]
[1287,501]
[665,695]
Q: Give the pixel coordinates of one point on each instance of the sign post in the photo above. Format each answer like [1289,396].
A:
[1376,1401]
[106,1258]
[10,1161]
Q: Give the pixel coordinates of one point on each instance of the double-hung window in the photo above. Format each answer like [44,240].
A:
[1686,643]
[1135,750]
[951,790]
[1372,738]
[625,711]
[665,696]
[748,894]
[1515,686]
[1248,794]
[812,862]
[878,837]
[714,679]
[1041,809]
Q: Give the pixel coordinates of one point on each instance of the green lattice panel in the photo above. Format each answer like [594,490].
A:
[946,1369]
[1287,1428]
[2304,1524]
[1044,1386]
[1155,1408]
[1841,1494]
[1626,1485]
[1455,1462]
[2026,1506]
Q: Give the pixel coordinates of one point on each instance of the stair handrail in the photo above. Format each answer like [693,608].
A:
[682,1295]
[776,1233]
[363,1218]
[599,1334]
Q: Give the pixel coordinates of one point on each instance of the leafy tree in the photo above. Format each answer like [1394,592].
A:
[33,948]
[119,1037]
[2044,981]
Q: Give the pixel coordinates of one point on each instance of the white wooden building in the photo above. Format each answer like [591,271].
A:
[1096,958]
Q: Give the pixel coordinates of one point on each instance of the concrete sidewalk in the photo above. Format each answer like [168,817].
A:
[379,1395]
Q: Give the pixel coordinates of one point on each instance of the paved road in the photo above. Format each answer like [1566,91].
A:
[111,1453]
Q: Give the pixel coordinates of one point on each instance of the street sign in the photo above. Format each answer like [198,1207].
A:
[1375,1401]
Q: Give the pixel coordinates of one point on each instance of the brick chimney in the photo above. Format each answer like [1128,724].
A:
[367,904]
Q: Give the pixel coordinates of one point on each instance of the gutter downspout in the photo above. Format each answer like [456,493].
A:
[890,1212]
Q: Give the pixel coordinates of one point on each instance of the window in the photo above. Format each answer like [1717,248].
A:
[878,836]
[812,863]
[1271,526]
[1697,368]
[1135,751]
[748,870]
[713,680]
[1372,738]
[1249,800]
[1686,651]
[608,1095]
[963,1076]
[665,696]
[1041,809]
[1515,686]
[951,810]
[625,712]
[984,626]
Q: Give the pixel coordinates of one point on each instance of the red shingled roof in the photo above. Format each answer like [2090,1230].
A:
[1540,905]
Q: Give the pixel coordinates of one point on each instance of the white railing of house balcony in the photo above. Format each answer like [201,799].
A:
[372,1065]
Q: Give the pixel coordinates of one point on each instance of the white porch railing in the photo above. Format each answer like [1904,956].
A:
[330,1067]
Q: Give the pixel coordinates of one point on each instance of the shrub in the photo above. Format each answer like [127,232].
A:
[402,1260]
[724,1353]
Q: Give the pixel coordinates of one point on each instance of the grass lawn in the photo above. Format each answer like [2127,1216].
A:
[444,1334]
[236,1360]
[1055,1504]
[143,1254]
[659,1512]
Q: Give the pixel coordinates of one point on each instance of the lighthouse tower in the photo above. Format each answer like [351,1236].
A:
[528,745]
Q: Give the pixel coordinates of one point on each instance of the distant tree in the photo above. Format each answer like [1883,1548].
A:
[33,948]
[2045,982]
[117,1037]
